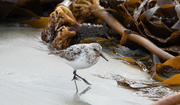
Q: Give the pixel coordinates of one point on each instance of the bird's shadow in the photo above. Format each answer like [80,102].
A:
[78,97]
[84,91]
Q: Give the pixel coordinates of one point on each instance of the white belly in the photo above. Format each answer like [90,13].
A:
[81,62]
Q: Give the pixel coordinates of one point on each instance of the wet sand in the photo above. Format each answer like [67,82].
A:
[29,76]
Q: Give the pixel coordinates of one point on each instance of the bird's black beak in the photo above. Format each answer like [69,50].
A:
[103,56]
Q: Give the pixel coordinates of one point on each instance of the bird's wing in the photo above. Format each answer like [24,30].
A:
[69,54]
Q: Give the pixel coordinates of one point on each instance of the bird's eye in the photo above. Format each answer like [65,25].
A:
[94,49]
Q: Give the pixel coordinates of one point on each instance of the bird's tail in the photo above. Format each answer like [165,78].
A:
[55,53]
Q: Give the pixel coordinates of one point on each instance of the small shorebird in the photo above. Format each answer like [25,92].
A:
[80,56]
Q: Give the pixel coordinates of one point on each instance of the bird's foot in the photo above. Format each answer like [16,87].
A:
[86,81]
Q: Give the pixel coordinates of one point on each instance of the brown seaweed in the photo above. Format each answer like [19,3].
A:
[63,30]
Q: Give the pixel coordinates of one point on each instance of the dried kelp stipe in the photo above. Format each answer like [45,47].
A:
[63,29]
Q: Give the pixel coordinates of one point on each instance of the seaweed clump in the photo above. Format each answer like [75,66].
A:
[63,30]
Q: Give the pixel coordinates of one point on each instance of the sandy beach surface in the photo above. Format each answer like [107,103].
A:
[29,76]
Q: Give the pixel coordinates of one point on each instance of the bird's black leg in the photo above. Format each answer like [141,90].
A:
[84,80]
[75,75]
[75,78]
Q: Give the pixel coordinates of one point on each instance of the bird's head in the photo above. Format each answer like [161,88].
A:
[97,48]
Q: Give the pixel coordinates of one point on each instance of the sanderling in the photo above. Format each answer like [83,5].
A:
[80,56]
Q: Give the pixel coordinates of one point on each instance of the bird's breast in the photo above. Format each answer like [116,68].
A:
[82,62]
